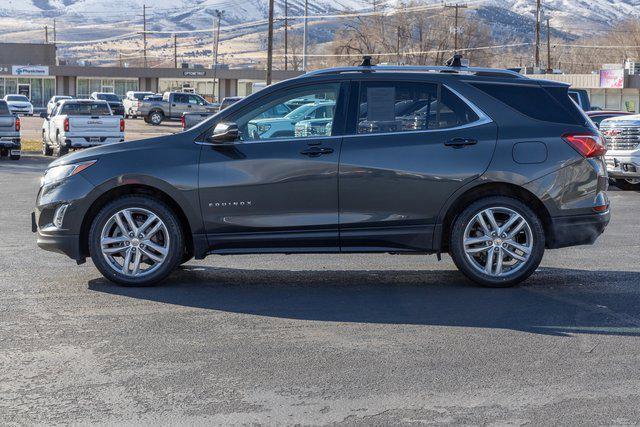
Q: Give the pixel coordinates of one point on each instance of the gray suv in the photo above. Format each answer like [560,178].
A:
[487,165]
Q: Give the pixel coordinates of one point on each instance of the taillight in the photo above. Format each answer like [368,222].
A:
[17,124]
[586,144]
[121,125]
[66,124]
[182,121]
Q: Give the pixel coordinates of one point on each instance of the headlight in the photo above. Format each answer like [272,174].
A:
[58,173]
[263,128]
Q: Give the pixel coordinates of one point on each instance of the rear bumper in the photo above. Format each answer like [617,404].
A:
[577,230]
[85,142]
[10,142]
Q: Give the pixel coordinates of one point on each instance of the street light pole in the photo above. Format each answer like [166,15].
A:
[270,44]
[305,35]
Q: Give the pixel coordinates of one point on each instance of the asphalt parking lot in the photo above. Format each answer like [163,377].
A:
[134,128]
[352,339]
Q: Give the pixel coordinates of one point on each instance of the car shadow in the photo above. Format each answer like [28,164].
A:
[554,301]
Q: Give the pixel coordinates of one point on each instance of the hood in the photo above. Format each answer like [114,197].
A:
[622,120]
[272,120]
[101,150]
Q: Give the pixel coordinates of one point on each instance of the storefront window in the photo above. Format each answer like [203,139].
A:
[85,86]
[37,89]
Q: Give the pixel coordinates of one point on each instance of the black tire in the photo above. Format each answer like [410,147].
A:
[625,185]
[14,157]
[4,153]
[459,256]
[156,117]
[46,148]
[176,241]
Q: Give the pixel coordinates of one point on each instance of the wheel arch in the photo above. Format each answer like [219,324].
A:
[470,195]
[134,189]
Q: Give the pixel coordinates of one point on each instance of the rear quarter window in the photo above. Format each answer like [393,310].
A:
[549,104]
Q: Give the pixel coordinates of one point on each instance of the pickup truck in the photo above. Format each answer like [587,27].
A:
[622,138]
[173,106]
[132,101]
[9,133]
[80,123]
[117,108]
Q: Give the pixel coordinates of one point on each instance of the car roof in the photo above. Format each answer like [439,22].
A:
[82,101]
[623,118]
[603,112]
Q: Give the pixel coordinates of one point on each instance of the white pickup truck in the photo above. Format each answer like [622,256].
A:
[80,123]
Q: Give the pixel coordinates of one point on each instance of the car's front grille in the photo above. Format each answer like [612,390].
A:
[621,137]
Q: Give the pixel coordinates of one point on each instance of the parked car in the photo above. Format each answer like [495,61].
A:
[229,100]
[581,97]
[54,99]
[132,101]
[19,104]
[189,120]
[516,169]
[173,106]
[275,127]
[10,144]
[622,136]
[80,123]
[116,105]
[597,116]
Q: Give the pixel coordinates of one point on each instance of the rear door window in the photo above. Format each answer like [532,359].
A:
[549,104]
[410,106]
[4,109]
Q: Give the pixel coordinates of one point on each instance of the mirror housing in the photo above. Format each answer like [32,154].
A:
[44,115]
[224,132]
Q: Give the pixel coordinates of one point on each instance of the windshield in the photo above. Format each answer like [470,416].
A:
[86,109]
[17,98]
[300,112]
[108,97]
[141,95]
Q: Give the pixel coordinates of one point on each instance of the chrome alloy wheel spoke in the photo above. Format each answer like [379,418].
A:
[135,242]
[498,241]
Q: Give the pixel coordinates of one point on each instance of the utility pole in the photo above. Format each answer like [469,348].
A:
[120,59]
[456,28]
[175,51]
[46,34]
[54,31]
[549,67]
[144,33]
[286,34]
[304,35]
[215,50]
[537,56]
[270,44]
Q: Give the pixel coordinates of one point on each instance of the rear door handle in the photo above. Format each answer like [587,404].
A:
[460,142]
[316,151]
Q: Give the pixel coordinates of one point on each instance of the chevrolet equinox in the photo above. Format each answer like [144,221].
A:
[485,164]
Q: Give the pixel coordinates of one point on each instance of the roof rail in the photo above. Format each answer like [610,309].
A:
[494,72]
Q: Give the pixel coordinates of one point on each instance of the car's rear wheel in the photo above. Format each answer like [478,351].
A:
[497,241]
[136,241]
[629,184]
[156,117]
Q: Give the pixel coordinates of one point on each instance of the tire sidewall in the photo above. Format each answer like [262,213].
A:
[170,219]
[457,237]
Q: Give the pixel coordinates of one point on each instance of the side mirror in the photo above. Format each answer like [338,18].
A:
[44,115]
[224,132]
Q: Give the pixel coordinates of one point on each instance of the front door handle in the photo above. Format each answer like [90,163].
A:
[460,142]
[316,151]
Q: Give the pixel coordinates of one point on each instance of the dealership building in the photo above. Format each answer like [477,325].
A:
[33,70]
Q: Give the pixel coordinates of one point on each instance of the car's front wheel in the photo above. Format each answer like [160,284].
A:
[497,241]
[136,241]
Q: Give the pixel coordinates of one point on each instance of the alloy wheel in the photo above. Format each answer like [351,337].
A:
[135,242]
[498,241]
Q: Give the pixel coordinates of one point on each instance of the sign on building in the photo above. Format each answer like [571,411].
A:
[612,79]
[29,70]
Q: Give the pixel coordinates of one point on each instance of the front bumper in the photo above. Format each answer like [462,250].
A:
[623,165]
[577,229]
